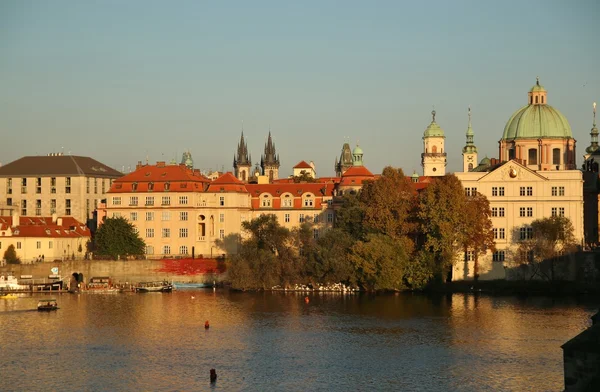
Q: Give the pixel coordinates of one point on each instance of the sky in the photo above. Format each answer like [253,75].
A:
[126,81]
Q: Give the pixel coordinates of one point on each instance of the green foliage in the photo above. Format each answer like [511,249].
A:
[328,262]
[10,255]
[350,216]
[117,238]
[303,177]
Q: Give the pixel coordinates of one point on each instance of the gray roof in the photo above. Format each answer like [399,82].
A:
[59,166]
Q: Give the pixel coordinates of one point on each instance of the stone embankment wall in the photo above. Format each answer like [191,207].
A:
[583,267]
[132,271]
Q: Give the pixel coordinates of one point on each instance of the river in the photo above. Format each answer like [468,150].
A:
[277,342]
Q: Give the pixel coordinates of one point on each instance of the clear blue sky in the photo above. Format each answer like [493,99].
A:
[122,80]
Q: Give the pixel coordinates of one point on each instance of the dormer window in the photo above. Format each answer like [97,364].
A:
[167,186]
[150,186]
[134,186]
[266,201]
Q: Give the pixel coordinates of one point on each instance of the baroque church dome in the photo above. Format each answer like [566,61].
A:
[537,120]
[433,129]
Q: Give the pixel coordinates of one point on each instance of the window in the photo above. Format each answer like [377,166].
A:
[165,216]
[501,191]
[133,201]
[288,202]
[24,185]
[87,185]
[308,202]
[221,234]
[9,201]
[529,191]
[38,185]
[529,211]
[561,191]
[53,206]
[522,191]
[221,218]
[24,207]
[68,207]
[183,233]
[525,233]
[53,185]
[329,217]
[149,216]
[554,191]
[301,218]
[38,245]
[499,234]
[470,191]
[183,216]
[95,185]
[561,211]
[315,233]
[183,200]
[166,232]
[522,211]
[68,185]
[38,207]
[149,233]
[266,201]
[166,200]
[556,156]
[494,191]
[494,211]
[167,186]
[166,250]
[50,244]
[498,255]
[554,211]
[501,211]
[149,250]
[150,186]
[222,200]
[103,186]
[287,218]
[116,201]
[18,245]
[469,255]
[133,216]
[183,250]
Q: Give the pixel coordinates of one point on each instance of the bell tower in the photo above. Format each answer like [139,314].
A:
[269,162]
[433,158]
[469,151]
[242,161]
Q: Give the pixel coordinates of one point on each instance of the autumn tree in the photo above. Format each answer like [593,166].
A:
[441,213]
[551,238]
[388,203]
[118,238]
[478,231]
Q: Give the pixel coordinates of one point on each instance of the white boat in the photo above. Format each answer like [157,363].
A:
[154,287]
[10,283]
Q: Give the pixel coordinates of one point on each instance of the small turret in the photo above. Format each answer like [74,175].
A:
[469,151]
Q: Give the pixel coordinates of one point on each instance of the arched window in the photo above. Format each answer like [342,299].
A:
[266,201]
[542,99]
[556,156]
[470,166]
[243,175]
[536,99]
[434,149]
[530,100]
[270,175]
[532,156]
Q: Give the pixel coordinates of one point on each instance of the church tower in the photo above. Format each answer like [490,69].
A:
[433,159]
[269,162]
[593,147]
[242,161]
[469,151]
[345,162]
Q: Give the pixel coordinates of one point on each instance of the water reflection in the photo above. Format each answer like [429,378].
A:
[276,341]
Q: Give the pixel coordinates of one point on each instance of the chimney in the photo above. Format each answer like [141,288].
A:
[160,164]
[139,165]
[59,221]
[15,218]
[54,217]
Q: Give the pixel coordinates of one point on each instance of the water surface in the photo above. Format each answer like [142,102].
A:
[277,342]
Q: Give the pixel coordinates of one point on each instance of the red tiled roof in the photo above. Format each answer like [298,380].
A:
[179,177]
[303,165]
[44,227]
[227,183]
[357,171]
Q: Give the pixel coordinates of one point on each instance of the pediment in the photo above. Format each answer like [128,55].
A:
[512,171]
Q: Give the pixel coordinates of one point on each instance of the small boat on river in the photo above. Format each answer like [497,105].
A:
[47,305]
[154,287]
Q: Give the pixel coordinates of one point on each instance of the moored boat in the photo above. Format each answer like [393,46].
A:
[154,287]
[46,305]
[102,285]
[10,283]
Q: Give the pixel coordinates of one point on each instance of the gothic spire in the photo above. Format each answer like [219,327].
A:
[594,135]
[270,157]
[470,146]
[242,158]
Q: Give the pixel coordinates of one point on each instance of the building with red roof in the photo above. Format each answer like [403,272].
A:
[43,238]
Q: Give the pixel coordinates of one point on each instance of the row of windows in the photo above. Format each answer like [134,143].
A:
[496,256]
[165,200]
[38,185]
[184,216]
[38,206]
[166,249]
[499,233]
[527,211]
[166,233]
[287,202]
[524,191]
[38,245]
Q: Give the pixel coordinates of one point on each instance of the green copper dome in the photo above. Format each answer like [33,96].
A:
[535,122]
[433,129]
[357,150]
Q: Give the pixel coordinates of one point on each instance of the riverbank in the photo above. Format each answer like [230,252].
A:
[518,287]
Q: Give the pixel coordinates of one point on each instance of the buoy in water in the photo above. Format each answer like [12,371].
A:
[306,300]
[206,325]
[213,375]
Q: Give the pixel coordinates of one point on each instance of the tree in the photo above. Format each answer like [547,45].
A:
[118,238]
[10,255]
[552,238]
[350,215]
[329,262]
[441,213]
[303,177]
[380,262]
[389,202]
[478,230]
